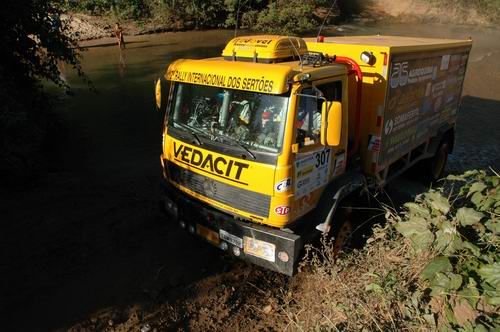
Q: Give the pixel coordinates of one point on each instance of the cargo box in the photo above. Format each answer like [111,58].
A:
[411,91]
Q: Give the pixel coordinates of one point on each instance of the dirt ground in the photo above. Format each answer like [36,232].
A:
[87,248]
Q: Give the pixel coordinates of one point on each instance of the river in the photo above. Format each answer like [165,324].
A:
[88,236]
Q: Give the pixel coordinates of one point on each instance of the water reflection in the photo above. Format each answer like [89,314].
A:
[122,64]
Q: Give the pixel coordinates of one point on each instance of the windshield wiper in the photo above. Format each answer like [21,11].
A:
[191,130]
[241,145]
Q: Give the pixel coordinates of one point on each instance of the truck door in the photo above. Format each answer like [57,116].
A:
[315,165]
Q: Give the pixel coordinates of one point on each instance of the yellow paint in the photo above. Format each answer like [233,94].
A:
[331,123]
[232,75]
[264,48]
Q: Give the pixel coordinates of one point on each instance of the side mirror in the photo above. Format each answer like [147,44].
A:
[158,94]
[331,123]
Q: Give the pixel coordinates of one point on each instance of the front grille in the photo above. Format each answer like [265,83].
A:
[241,199]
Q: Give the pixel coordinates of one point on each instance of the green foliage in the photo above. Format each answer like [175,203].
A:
[435,266]
[34,42]
[284,18]
[135,9]
[268,16]
[462,231]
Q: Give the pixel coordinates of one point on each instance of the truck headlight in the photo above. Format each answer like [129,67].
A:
[171,207]
[259,248]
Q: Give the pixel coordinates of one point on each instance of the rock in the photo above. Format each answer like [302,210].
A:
[146,328]
[267,309]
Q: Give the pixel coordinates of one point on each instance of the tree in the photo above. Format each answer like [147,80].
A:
[34,41]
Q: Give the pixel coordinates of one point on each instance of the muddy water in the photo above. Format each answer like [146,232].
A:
[89,237]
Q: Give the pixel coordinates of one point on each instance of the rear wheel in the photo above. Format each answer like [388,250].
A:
[432,169]
[438,162]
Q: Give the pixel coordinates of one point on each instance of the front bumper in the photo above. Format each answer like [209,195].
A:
[271,248]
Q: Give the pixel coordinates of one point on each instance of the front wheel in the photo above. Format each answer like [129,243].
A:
[342,230]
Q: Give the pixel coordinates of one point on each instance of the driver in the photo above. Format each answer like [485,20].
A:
[308,121]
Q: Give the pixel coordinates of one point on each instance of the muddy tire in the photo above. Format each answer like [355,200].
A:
[432,169]
[438,162]
[342,230]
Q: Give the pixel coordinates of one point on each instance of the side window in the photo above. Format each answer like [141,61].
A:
[308,122]
[332,91]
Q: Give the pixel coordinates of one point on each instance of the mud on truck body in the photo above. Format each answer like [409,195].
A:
[261,144]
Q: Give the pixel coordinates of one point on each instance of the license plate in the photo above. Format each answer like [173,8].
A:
[208,234]
[233,239]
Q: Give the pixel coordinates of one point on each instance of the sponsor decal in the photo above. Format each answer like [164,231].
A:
[401,74]
[311,172]
[284,185]
[282,210]
[259,84]
[388,126]
[252,41]
[423,94]
[204,161]
[445,62]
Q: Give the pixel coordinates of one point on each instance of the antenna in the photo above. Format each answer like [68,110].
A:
[326,17]
[237,16]
[296,51]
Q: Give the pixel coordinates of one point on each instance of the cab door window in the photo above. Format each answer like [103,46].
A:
[308,121]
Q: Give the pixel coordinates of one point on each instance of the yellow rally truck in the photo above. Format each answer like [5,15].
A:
[261,144]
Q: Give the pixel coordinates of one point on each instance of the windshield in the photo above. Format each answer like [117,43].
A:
[251,119]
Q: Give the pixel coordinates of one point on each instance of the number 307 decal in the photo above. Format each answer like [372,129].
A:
[322,158]
[311,172]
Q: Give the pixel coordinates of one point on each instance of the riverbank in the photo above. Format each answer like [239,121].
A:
[90,27]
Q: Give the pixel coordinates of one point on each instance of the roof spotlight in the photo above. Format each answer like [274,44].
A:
[368,58]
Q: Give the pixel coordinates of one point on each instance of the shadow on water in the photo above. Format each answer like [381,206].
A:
[90,235]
